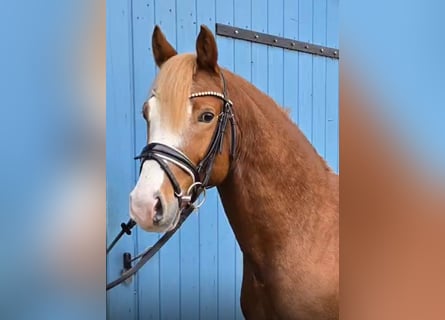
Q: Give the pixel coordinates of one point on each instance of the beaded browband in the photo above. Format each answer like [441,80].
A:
[210,93]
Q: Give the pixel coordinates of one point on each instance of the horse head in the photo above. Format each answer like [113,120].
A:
[187,115]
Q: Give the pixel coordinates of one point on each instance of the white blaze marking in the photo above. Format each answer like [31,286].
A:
[152,176]
[159,132]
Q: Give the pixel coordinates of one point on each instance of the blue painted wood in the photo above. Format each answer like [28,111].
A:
[260,66]
[189,234]
[121,302]
[197,275]
[332,87]
[169,269]
[319,80]
[208,215]
[305,69]
[243,67]
[290,59]
[275,55]
[208,218]
[148,284]
[227,299]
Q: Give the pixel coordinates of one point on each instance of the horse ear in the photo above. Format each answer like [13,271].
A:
[207,51]
[162,49]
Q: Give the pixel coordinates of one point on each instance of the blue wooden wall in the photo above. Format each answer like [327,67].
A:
[197,275]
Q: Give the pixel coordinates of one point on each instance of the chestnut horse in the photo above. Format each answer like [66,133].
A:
[279,195]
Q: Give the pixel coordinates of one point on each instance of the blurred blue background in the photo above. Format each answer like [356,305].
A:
[394,49]
[52,133]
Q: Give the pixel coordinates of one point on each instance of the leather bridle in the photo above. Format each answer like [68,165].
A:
[200,174]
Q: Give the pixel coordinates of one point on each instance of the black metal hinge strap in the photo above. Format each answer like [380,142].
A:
[275,41]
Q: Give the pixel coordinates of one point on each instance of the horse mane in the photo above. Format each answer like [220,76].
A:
[173,91]
[274,112]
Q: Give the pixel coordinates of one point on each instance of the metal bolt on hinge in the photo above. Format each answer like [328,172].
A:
[127,265]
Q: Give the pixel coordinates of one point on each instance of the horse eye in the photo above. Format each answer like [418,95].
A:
[206,117]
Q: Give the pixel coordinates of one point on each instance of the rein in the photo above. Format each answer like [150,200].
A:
[163,155]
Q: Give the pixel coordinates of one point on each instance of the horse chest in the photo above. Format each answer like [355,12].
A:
[264,297]
[257,295]
[254,302]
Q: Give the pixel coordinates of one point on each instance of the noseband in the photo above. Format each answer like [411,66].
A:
[200,174]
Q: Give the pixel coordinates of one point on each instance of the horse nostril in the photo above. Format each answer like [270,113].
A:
[158,211]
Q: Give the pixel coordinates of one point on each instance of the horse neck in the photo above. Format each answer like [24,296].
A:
[279,184]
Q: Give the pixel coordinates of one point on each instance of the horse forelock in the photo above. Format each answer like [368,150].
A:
[173,87]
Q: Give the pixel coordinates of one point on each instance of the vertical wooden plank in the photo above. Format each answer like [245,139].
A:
[319,80]
[260,66]
[290,62]
[144,73]
[189,242]
[238,281]
[228,301]
[305,69]
[208,216]
[242,64]
[165,14]
[224,14]
[121,302]
[206,14]
[275,56]
[332,87]
[186,25]
[208,264]
[189,233]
